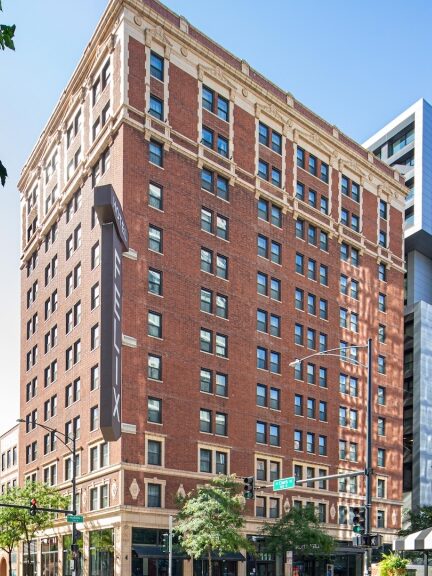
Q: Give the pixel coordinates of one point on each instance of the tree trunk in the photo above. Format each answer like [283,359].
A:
[210,572]
[10,561]
[28,570]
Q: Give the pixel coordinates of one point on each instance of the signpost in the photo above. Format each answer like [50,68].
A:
[74,518]
[284,483]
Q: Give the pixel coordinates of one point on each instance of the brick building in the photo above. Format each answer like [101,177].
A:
[258,233]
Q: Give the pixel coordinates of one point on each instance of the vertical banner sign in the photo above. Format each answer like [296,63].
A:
[115,241]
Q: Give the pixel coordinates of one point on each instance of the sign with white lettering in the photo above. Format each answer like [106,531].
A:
[115,240]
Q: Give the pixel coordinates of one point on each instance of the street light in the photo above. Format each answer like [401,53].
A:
[64,440]
[368,468]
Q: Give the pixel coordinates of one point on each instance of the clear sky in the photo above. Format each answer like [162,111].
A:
[356,63]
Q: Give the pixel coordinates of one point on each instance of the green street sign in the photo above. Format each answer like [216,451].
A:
[284,483]
[71,518]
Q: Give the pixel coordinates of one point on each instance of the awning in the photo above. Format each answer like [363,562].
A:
[421,540]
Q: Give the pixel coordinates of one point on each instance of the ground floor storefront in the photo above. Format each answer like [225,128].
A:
[119,546]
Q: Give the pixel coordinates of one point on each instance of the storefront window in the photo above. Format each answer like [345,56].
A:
[67,555]
[148,556]
[102,553]
[219,567]
[49,557]
[30,562]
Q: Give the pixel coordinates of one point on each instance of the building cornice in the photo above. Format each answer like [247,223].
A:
[298,121]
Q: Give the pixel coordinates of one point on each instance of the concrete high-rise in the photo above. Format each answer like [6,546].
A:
[406,144]
[258,233]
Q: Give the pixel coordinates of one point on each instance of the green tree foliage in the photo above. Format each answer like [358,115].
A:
[10,534]
[299,529]
[17,523]
[6,41]
[210,519]
[417,520]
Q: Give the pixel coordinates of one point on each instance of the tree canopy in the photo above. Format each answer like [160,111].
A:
[299,529]
[17,524]
[417,520]
[210,519]
[7,33]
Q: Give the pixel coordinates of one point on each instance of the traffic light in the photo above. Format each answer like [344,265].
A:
[165,542]
[249,487]
[33,507]
[359,519]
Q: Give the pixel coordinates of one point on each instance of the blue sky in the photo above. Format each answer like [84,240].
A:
[356,63]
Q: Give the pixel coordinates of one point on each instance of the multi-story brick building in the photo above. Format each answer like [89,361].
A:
[258,233]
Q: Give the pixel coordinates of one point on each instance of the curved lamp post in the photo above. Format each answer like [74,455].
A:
[337,352]
[64,439]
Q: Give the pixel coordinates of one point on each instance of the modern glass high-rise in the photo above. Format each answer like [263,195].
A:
[406,144]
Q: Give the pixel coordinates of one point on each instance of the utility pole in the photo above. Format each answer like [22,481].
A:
[170,539]
[369,470]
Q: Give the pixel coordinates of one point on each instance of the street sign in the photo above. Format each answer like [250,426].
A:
[284,483]
[71,518]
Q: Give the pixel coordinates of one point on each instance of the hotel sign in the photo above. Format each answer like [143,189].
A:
[115,241]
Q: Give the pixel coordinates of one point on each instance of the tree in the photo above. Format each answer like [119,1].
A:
[297,529]
[416,520]
[210,519]
[10,534]
[20,522]
[6,41]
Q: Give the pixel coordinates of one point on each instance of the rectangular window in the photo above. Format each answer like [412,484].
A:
[324,172]
[221,424]
[300,191]
[222,146]
[262,281]
[223,108]
[298,405]
[300,157]
[156,66]
[154,410]
[276,142]
[154,495]
[262,358]
[221,384]
[312,165]
[381,395]
[261,433]
[208,98]
[298,440]
[205,421]
[263,132]
[156,107]
[155,238]
[299,263]
[263,169]
[222,345]
[206,344]
[155,196]
[156,153]
[276,177]
[275,289]
[154,367]
[154,324]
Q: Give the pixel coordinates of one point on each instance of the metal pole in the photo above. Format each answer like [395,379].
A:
[425,563]
[74,531]
[170,553]
[369,470]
